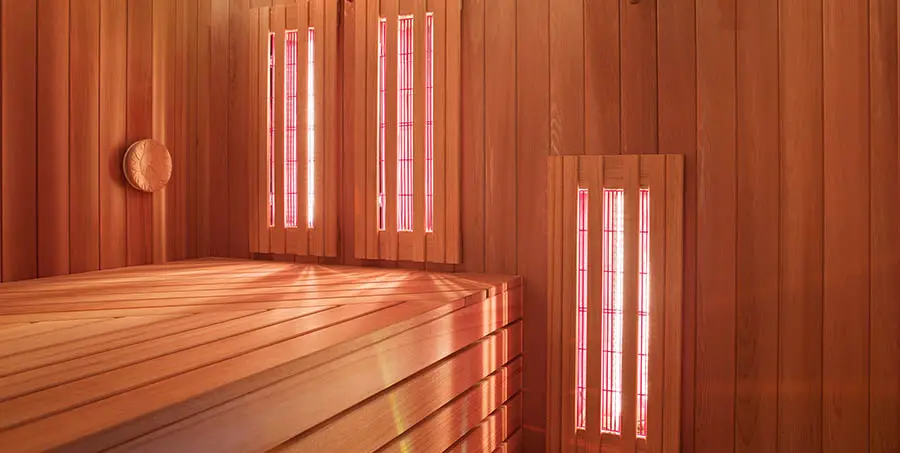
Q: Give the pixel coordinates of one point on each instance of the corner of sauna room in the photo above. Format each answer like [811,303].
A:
[563,226]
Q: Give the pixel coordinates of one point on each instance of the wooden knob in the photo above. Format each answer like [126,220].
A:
[147,165]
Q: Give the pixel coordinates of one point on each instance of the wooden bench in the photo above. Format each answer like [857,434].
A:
[228,355]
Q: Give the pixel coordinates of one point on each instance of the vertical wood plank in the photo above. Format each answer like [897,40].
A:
[436,239]
[673,423]
[554,303]
[631,267]
[262,216]
[238,135]
[639,86]
[217,149]
[452,177]
[317,21]
[352,75]
[602,77]
[655,168]
[139,123]
[592,168]
[161,36]
[884,394]
[568,291]
[473,136]
[388,241]
[677,117]
[846,276]
[112,140]
[372,15]
[254,103]
[500,138]
[53,137]
[756,357]
[801,229]
[190,125]
[329,196]
[716,224]
[533,138]
[200,201]
[18,60]
[175,120]
[359,125]
[567,77]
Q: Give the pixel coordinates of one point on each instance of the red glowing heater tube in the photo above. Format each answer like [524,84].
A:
[290,129]
[405,125]
[429,122]
[382,123]
[311,128]
[581,321]
[270,145]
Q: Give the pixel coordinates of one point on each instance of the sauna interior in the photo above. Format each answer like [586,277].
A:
[606,226]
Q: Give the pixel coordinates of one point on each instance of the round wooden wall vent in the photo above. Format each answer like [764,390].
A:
[147,165]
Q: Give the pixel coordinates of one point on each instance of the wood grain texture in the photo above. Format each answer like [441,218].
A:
[555,215]
[602,69]
[238,132]
[139,123]
[18,62]
[454,420]
[473,96]
[201,202]
[371,19]
[255,197]
[500,138]
[758,190]
[716,224]
[113,78]
[249,354]
[330,134]
[674,421]
[435,245]
[630,298]
[262,179]
[639,84]
[163,131]
[567,78]
[53,137]
[467,336]
[884,339]
[317,20]
[453,133]
[533,138]
[801,231]
[216,151]
[845,366]
[677,129]
[358,129]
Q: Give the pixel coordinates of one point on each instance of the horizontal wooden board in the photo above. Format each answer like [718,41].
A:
[141,358]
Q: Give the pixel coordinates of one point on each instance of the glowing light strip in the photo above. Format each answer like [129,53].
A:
[643,316]
[612,310]
[581,321]
[382,122]
[270,145]
[311,129]
[290,129]
[405,124]
[429,122]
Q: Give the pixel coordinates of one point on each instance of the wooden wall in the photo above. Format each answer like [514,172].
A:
[81,80]
[787,115]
